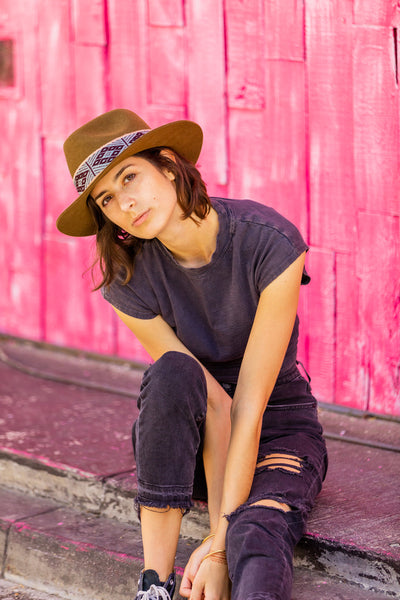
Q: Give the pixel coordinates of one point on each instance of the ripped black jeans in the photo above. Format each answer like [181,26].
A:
[292,463]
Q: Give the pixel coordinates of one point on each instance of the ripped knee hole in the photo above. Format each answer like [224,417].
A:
[287,462]
[272,504]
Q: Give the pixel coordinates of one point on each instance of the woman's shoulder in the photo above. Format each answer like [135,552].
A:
[244,213]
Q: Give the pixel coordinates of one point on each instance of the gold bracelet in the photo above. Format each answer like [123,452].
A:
[208,537]
[215,558]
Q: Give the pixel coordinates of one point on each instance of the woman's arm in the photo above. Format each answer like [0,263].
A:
[263,357]
[157,337]
[264,354]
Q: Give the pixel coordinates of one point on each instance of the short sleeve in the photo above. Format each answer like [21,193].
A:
[279,246]
[125,299]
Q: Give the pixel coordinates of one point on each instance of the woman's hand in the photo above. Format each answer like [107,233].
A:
[202,577]
[193,566]
[211,582]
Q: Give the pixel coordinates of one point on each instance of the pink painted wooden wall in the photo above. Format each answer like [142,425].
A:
[299,102]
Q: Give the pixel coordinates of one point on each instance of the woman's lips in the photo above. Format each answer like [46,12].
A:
[141,218]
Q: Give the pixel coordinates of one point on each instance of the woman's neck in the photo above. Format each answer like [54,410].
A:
[194,242]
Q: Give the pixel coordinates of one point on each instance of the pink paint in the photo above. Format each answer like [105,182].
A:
[299,102]
[45,461]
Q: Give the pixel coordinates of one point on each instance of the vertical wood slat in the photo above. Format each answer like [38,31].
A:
[352,374]
[59,190]
[376,121]
[206,88]
[74,315]
[90,83]
[376,12]
[245,45]
[321,323]
[127,55]
[81,320]
[267,148]
[21,197]
[284,30]
[166,13]
[89,22]
[166,69]
[380,307]
[56,58]
[89,50]
[330,79]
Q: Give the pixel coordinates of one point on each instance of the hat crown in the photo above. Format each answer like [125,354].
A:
[97,133]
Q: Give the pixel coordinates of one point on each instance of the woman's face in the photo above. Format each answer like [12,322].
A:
[138,198]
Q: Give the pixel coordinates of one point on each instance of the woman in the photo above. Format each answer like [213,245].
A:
[210,288]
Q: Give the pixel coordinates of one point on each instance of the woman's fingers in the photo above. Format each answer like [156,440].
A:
[186,587]
[187,578]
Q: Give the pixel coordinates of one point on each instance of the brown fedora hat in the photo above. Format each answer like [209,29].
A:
[96,147]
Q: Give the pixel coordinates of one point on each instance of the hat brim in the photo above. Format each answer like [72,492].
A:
[184,137]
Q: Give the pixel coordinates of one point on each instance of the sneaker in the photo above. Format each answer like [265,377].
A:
[151,588]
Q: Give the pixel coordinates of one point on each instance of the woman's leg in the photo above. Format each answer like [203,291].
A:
[166,437]
[262,532]
[262,535]
[160,534]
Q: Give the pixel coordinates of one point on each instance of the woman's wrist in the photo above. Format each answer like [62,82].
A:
[218,556]
[208,537]
[218,542]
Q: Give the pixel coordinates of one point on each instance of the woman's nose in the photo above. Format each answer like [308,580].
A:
[126,201]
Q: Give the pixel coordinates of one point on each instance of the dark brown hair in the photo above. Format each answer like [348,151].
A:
[116,249]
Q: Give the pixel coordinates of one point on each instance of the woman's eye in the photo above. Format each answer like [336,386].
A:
[105,200]
[129,177]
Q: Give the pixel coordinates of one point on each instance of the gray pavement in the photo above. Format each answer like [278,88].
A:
[68,482]
[15,591]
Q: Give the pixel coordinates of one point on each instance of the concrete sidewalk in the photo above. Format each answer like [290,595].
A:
[68,480]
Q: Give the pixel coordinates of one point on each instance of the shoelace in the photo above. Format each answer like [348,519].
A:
[155,592]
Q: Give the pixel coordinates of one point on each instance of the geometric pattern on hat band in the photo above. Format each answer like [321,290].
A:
[98,160]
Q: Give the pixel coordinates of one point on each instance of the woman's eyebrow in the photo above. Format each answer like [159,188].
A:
[115,179]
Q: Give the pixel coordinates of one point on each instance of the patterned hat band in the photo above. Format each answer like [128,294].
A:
[98,160]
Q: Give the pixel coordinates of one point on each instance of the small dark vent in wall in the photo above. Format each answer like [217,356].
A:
[7,71]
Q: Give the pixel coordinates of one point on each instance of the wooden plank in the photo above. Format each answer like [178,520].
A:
[284,29]
[303,350]
[246,165]
[166,13]
[8,225]
[159,115]
[330,77]
[245,47]
[81,319]
[321,323]
[166,66]
[56,72]
[127,55]
[206,88]
[90,82]
[21,152]
[379,272]
[352,374]
[376,12]
[89,22]
[267,149]
[24,320]
[74,315]
[376,121]
[59,190]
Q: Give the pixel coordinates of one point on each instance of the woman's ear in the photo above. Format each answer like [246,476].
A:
[169,154]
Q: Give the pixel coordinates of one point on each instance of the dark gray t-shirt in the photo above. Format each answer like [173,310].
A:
[211,308]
